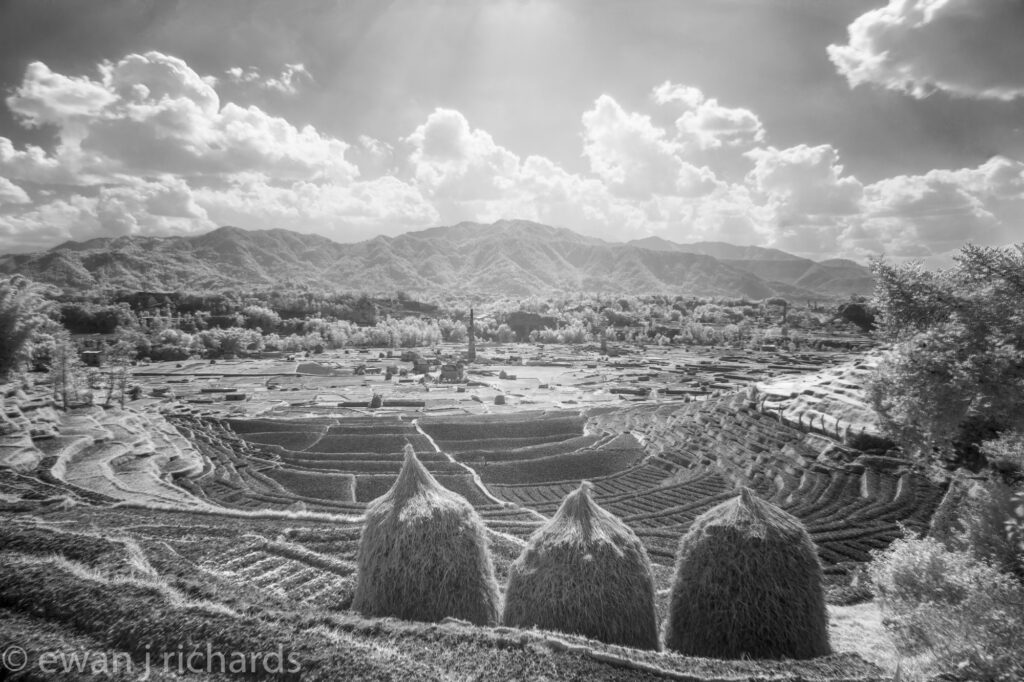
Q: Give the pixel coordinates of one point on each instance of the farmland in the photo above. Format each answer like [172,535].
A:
[242,517]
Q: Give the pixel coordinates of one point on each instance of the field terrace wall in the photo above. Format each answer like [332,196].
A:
[93,455]
[831,402]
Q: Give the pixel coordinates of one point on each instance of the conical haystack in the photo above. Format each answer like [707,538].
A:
[747,585]
[424,554]
[584,572]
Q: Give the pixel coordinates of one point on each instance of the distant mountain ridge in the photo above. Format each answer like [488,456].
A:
[837,276]
[506,258]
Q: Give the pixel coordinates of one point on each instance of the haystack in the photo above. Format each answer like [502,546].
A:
[424,555]
[584,572]
[747,585]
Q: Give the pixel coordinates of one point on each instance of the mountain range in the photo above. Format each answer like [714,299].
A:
[506,258]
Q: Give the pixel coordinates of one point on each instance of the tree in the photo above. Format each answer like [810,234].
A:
[262,318]
[119,371]
[67,371]
[955,377]
[23,314]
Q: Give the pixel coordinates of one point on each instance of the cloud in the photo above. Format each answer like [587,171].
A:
[668,92]
[637,158]
[152,113]
[936,212]
[286,83]
[451,160]
[32,164]
[805,195]
[164,206]
[45,97]
[802,181]
[11,193]
[967,48]
[706,124]
[46,225]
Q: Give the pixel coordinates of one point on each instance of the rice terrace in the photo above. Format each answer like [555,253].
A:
[250,513]
[518,340]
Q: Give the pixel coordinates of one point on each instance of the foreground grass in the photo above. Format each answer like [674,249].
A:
[143,590]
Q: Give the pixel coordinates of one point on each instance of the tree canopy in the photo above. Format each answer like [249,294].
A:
[23,312]
[955,376]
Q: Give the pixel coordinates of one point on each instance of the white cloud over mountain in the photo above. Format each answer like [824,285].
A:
[967,48]
[147,145]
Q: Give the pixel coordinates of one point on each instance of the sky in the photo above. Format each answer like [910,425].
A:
[827,129]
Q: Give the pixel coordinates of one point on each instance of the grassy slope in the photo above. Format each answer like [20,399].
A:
[174,577]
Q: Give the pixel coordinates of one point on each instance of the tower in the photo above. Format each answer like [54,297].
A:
[471,355]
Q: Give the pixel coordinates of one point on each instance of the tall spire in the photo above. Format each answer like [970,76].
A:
[471,355]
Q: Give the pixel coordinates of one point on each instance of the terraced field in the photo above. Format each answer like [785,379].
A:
[658,466]
[265,512]
[852,502]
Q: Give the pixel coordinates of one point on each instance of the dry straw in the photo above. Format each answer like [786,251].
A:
[584,572]
[747,585]
[424,554]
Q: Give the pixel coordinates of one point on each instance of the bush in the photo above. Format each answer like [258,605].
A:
[962,613]
[982,518]
[1006,453]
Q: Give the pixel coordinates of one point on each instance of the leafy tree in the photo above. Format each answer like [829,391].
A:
[23,313]
[261,317]
[955,377]
[67,371]
[119,370]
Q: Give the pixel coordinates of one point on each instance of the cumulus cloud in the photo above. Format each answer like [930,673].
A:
[802,181]
[45,225]
[967,48]
[451,160]
[32,164]
[11,193]
[152,113]
[706,124]
[938,211]
[637,158]
[805,194]
[162,206]
[45,97]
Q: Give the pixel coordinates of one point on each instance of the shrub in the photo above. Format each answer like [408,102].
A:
[1006,453]
[584,572]
[964,614]
[748,583]
[424,554]
[983,521]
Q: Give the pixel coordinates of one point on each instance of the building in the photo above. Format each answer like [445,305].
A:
[452,373]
